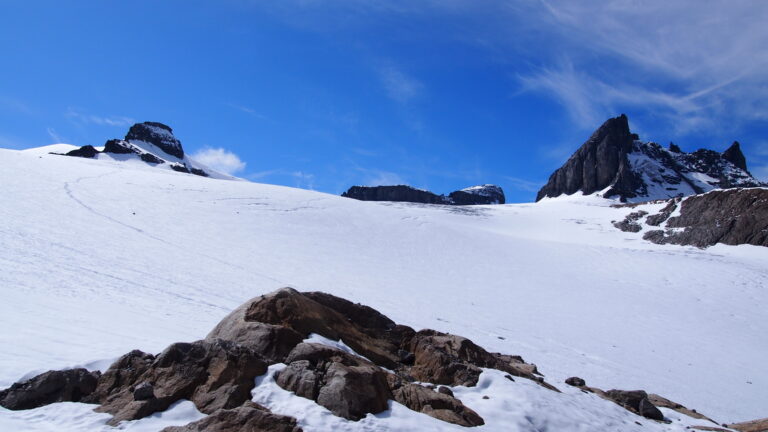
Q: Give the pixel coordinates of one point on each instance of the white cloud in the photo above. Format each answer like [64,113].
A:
[399,86]
[220,160]
[304,180]
[119,121]
[384,178]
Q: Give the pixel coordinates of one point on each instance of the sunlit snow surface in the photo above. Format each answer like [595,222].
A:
[99,257]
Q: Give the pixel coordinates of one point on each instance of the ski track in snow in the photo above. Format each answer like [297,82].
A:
[126,256]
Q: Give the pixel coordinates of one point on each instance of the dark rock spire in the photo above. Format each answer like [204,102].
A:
[735,156]
[599,163]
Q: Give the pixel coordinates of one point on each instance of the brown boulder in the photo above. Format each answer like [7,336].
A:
[576,382]
[247,418]
[290,308]
[213,375]
[434,403]
[71,385]
[272,342]
[751,426]
[448,359]
[635,401]
[662,402]
[347,385]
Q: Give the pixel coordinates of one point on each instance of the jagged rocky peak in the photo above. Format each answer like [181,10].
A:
[474,195]
[158,135]
[735,156]
[617,164]
[151,142]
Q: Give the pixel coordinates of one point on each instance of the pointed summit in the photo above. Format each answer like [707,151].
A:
[599,163]
[615,162]
[735,156]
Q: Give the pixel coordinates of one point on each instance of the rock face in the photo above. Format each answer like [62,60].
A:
[599,163]
[214,375]
[615,161]
[151,142]
[53,386]
[158,135]
[250,417]
[732,217]
[347,385]
[437,404]
[484,194]
[636,401]
[751,426]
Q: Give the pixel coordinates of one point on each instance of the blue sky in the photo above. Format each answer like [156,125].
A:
[436,94]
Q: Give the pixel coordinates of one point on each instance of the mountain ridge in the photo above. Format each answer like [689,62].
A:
[617,164]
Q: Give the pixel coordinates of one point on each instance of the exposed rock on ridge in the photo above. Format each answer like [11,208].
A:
[474,195]
[599,163]
[153,143]
[617,163]
[732,217]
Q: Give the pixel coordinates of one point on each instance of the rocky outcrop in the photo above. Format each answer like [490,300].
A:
[53,386]
[250,417]
[576,382]
[636,401]
[662,402]
[157,134]
[85,151]
[150,142]
[732,217]
[485,194]
[600,163]
[439,404]
[399,193]
[615,162]
[347,385]
[751,426]
[389,362]
[213,375]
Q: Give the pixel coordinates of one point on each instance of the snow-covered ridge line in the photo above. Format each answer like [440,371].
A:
[152,143]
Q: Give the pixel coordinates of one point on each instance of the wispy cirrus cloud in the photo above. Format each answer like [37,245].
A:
[683,60]
[54,135]
[399,86]
[250,111]
[79,116]
[383,178]
[523,184]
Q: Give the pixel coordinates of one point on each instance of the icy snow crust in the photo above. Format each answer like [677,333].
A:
[99,257]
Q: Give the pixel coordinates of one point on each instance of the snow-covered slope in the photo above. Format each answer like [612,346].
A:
[99,257]
[665,173]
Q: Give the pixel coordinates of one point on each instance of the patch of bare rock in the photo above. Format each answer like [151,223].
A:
[218,373]
[731,217]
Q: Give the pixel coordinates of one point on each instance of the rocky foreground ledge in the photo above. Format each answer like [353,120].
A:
[391,362]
